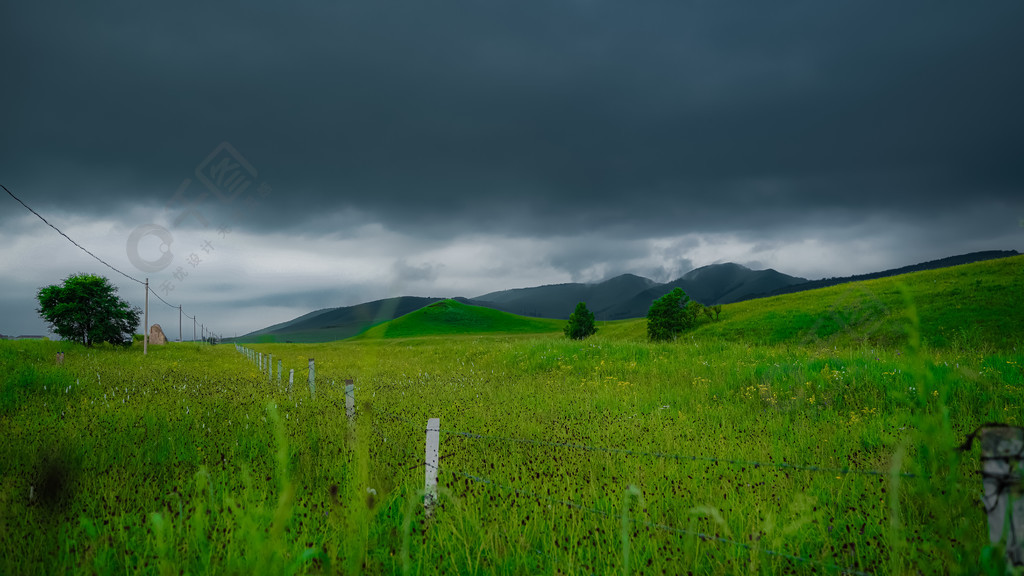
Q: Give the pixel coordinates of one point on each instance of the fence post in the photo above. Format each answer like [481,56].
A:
[1002,467]
[270,367]
[312,378]
[350,401]
[433,444]
[261,361]
[291,379]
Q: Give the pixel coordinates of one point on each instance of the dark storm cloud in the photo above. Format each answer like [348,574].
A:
[528,118]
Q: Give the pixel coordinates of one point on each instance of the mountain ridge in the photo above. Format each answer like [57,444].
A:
[620,297]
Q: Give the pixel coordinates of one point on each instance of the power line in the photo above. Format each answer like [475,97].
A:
[84,249]
[69,238]
[161,299]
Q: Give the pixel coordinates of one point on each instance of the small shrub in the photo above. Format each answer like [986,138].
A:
[669,315]
[581,323]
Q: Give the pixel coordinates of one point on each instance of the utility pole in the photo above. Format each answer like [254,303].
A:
[179,322]
[145,330]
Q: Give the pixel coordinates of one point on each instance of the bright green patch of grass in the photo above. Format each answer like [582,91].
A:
[966,305]
[452,317]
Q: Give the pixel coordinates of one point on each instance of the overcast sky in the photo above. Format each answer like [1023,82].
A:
[295,156]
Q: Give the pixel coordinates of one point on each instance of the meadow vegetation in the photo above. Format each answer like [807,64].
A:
[807,433]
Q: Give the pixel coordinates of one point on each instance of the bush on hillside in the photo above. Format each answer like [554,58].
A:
[669,315]
[581,323]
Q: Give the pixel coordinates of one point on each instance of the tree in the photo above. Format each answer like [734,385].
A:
[86,309]
[669,315]
[581,323]
[699,309]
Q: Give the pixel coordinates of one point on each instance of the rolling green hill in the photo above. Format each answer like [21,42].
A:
[336,323]
[978,304]
[448,317]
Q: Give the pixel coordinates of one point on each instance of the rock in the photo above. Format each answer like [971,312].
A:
[156,335]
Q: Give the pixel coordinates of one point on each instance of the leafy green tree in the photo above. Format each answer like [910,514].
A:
[581,323]
[669,315]
[86,309]
[696,308]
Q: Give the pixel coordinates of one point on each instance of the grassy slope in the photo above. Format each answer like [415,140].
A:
[449,317]
[186,433]
[150,434]
[968,305]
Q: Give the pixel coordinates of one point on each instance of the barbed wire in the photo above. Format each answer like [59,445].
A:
[662,527]
[397,418]
[690,457]
[731,461]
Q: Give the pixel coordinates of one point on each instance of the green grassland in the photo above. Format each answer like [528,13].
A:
[449,317]
[606,456]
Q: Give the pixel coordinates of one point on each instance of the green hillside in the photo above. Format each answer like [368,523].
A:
[967,305]
[448,317]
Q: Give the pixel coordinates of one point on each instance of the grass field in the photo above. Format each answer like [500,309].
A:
[606,456]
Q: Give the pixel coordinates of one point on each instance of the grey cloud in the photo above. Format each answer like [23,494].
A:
[407,273]
[606,124]
[531,117]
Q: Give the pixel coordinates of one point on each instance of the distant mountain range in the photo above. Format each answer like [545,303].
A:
[625,296]
[630,296]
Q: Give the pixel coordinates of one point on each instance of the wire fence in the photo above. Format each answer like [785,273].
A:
[432,463]
[659,526]
[511,489]
[667,455]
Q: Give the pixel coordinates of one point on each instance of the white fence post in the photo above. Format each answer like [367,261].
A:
[350,401]
[270,367]
[261,361]
[433,444]
[312,378]
[1002,468]
[291,380]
